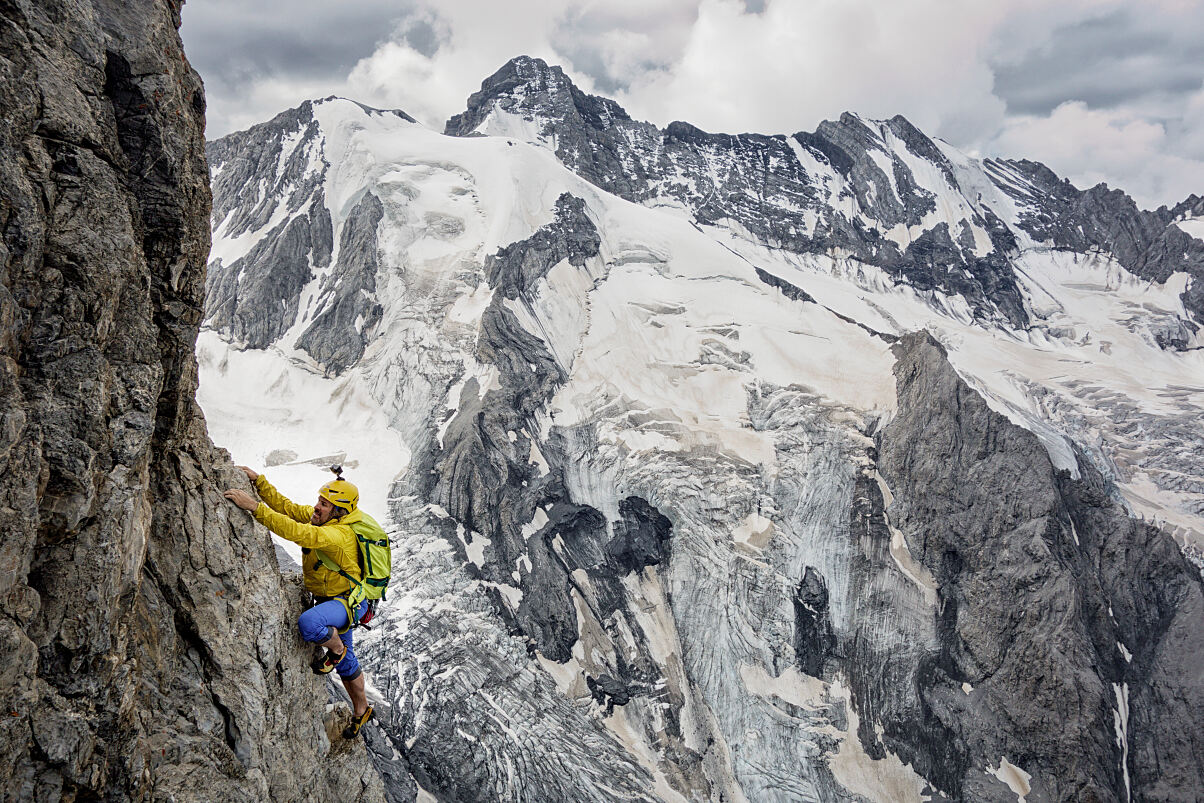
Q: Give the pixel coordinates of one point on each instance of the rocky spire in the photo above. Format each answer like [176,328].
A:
[530,87]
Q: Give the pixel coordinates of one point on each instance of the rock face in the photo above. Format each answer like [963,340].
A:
[1045,612]
[148,650]
[764,468]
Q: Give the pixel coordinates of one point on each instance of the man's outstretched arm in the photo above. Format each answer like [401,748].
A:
[276,500]
[327,538]
[242,499]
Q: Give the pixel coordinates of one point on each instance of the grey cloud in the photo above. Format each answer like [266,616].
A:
[423,36]
[584,38]
[1124,58]
[232,42]
[589,61]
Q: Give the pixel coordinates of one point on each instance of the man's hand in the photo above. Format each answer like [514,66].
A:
[251,475]
[242,499]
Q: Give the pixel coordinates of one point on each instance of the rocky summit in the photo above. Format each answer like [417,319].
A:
[830,466]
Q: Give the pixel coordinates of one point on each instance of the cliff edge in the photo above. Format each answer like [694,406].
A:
[147,647]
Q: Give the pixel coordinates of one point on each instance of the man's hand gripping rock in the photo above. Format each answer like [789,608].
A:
[241,498]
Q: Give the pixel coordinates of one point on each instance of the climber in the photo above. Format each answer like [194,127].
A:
[324,529]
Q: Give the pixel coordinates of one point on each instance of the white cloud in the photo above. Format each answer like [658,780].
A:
[796,64]
[618,42]
[475,40]
[391,78]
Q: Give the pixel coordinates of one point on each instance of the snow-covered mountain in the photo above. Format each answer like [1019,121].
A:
[731,467]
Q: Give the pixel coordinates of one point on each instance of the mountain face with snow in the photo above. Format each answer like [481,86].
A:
[836,466]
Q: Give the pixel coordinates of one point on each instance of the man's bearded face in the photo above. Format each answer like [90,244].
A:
[322,512]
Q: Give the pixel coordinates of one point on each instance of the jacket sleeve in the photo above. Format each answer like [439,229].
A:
[328,538]
[281,503]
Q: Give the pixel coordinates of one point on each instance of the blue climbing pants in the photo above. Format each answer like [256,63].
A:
[322,621]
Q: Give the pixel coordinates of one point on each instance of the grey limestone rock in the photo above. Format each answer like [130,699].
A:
[348,310]
[258,305]
[515,268]
[280,167]
[1035,606]
[475,471]
[813,638]
[148,645]
[238,163]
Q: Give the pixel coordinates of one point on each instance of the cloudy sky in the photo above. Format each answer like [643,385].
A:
[1099,90]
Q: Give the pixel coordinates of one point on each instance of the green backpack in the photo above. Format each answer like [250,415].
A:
[375,557]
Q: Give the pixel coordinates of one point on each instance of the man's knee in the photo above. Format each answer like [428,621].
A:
[312,628]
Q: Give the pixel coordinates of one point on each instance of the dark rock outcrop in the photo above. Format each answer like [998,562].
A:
[258,305]
[147,649]
[1043,583]
[813,640]
[484,477]
[347,307]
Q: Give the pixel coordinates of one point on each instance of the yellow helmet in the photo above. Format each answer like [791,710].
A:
[342,493]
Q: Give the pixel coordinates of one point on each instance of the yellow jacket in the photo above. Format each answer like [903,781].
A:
[335,539]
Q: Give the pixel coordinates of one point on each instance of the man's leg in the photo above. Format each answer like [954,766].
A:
[355,690]
[350,672]
[334,643]
[319,625]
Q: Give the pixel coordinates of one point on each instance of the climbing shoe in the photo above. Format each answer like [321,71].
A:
[325,663]
[352,730]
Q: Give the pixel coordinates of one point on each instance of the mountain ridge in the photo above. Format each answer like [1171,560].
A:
[530,87]
[940,258]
